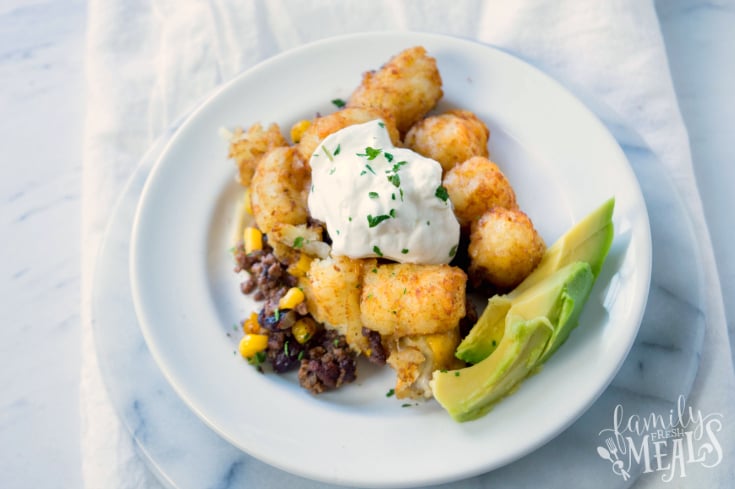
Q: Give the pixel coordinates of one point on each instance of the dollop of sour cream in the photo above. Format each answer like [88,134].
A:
[378,200]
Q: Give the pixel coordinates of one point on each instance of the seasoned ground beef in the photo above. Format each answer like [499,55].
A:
[325,361]
[268,279]
[377,351]
[328,364]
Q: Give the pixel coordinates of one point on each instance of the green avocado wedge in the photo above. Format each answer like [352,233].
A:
[587,241]
[536,324]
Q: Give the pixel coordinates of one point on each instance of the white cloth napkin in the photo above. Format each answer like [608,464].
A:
[149,61]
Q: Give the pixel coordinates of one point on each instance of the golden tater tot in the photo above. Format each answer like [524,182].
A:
[415,358]
[323,126]
[279,190]
[247,148]
[406,299]
[449,138]
[332,289]
[408,87]
[476,186]
[504,247]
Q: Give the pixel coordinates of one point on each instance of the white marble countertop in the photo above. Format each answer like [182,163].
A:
[42,90]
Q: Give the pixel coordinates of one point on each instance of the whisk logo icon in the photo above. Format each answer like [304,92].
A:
[661,443]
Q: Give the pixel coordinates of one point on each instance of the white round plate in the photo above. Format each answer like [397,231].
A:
[562,163]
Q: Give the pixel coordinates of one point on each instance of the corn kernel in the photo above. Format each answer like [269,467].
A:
[298,129]
[253,239]
[303,330]
[251,324]
[293,298]
[301,267]
[250,344]
[247,203]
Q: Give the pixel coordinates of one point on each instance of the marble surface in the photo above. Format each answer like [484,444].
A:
[42,97]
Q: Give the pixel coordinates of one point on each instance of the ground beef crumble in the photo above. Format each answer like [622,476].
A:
[325,361]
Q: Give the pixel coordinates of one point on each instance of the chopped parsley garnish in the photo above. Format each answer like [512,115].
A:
[390,393]
[339,103]
[456,373]
[442,193]
[332,170]
[373,195]
[381,124]
[277,314]
[393,196]
[298,242]
[326,152]
[395,180]
[392,213]
[337,149]
[336,342]
[257,359]
[300,355]
[285,348]
[377,251]
[349,218]
[404,251]
[453,251]
[375,270]
[375,220]
[371,153]
[388,156]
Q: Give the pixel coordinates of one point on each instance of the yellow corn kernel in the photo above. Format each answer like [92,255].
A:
[246,202]
[251,325]
[253,239]
[293,298]
[303,330]
[298,129]
[301,267]
[250,344]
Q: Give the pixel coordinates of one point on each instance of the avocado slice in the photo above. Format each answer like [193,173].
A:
[533,328]
[587,241]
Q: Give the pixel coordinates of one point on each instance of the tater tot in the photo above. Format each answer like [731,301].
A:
[279,190]
[408,87]
[476,186]
[449,138]
[504,247]
[247,148]
[323,126]
[406,299]
[332,289]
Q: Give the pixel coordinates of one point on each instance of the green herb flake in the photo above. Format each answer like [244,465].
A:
[441,193]
[390,393]
[332,170]
[336,231]
[456,373]
[375,270]
[375,220]
[443,370]
[453,251]
[336,342]
[373,195]
[377,251]
[337,149]
[277,314]
[326,152]
[381,124]
[300,356]
[370,153]
[408,404]
[339,103]
[395,179]
[392,213]
[393,196]
[404,251]
[285,348]
[388,156]
[258,359]
[298,242]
